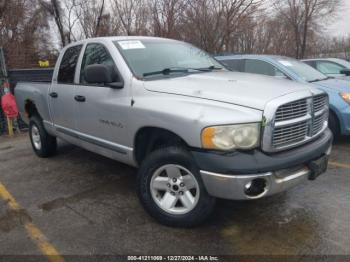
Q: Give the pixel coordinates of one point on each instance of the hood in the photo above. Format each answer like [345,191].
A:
[346,78]
[339,85]
[248,90]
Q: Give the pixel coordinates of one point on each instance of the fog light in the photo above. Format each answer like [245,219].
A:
[256,187]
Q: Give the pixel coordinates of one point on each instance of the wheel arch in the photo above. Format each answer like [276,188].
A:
[30,108]
[149,138]
[334,113]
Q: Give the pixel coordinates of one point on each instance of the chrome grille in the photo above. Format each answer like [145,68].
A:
[320,102]
[298,121]
[290,134]
[292,110]
[318,123]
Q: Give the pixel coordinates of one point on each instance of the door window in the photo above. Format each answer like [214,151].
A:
[68,65]
[329,67]
[262,68]
[233,64]
[95,54]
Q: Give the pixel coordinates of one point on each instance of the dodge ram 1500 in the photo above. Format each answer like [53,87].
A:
[195,131]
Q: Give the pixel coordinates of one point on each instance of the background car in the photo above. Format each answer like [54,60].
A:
[292,69]
[333,67]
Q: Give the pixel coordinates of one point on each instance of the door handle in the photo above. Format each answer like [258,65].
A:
[53,94]
[80,98]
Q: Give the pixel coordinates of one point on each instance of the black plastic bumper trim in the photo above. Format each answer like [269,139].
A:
[254,162]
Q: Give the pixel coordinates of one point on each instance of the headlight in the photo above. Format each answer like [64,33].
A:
[244,136]
[346,97]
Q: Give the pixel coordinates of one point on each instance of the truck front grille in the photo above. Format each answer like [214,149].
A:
[299,121]
[290,134]
[319,123]
[292,110]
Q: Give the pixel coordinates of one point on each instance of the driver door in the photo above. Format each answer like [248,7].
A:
[102,110]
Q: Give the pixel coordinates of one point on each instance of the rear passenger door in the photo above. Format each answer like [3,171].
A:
[62,92]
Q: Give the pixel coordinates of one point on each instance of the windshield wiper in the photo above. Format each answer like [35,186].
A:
[207,69]
[318,80]
[167,71]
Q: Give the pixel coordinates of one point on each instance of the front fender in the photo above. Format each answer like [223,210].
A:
[185,116]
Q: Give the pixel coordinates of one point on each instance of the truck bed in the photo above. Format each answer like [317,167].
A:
[37,78]
[41,75]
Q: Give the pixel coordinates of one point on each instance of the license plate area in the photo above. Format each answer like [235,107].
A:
[318,167]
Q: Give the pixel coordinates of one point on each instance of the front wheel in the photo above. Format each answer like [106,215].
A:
[44,145]
[171,190]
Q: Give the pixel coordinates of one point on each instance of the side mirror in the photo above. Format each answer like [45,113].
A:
[102,74]
[345,72]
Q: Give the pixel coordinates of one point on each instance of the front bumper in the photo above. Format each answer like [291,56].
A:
[226,176]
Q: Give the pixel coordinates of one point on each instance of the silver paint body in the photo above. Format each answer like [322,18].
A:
[183,105]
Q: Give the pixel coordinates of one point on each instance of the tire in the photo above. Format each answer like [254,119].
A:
[44,145]
[334,125]
[190,205]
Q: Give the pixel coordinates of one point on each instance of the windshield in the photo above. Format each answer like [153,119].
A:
[303,70]
[164,57]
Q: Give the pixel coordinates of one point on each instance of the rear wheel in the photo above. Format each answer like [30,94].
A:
[171,190]
[44,145]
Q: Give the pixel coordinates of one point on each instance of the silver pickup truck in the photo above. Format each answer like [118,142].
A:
[196,131]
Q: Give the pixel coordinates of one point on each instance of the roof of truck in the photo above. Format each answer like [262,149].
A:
[121,38]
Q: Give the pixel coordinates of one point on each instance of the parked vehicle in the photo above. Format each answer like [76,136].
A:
[332,67]
[195,130]
[292,69]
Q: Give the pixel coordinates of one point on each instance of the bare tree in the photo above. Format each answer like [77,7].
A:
[132,15]
[166,17]
[215,24]
[53,7]
[66,14]
[92,17]
[304,16]
[24,33]
[3,4]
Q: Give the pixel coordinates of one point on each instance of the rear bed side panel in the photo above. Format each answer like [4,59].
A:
[36,93]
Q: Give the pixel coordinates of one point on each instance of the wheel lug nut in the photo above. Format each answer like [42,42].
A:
[181,193]
[174,180]
[182,185]
[168,185]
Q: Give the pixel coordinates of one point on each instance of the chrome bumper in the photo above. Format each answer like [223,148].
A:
[234,186]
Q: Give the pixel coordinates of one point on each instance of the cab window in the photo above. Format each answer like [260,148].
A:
[68,65]
[95,54]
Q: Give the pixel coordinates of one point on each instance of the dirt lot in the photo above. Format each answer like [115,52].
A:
[79,203]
